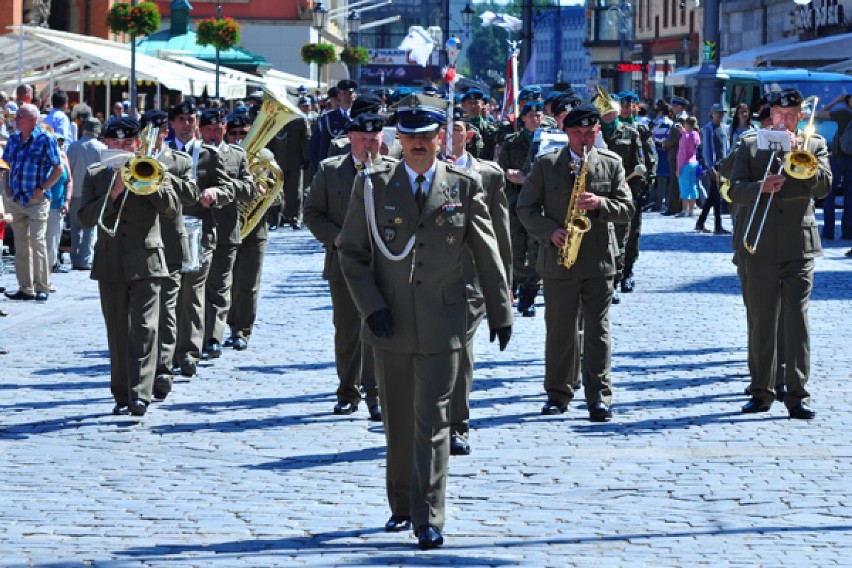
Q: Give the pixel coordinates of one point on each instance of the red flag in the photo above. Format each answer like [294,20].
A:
[508,111]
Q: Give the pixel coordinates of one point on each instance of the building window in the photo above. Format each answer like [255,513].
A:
[674,13]
[665,14]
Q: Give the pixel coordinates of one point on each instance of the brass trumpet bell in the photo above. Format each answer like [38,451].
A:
[604,102]
[143,175]
[802,164]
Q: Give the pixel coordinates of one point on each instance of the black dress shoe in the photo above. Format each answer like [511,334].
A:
[188,368]
[240,344]
[162,387]
[375,413]
[459,446]
[553,407]
[20,296]
[398,523]
[120,410]
[747,391]
[616,297]
[528,312]
[229,342]
[429,537]
[138,407]
[802,412]
[755,405]
[296,225]
[628,284]
[273,227]
[345,407]
[780,392]
[600,412]
[41,296]
[214,349]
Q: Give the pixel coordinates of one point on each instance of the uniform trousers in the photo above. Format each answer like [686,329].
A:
[631,246]
[190,312]
[82,238]
[779,337]
[460,401]
[562,346]
[218,291]
[768,287]
[622,234]
[524,255]
[292,191]
[167,336]
[415,392]
[353,357]
[131,313]
[675,205]
[29,224]
[246,287]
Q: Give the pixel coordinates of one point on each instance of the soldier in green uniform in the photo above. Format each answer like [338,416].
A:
[515,162]
[401,249]
[325,210]
[543,208]
[129,266]
[780,269]
[624,140]
[498,208]
[484,138]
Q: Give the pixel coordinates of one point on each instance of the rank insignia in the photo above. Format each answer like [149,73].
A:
[389,234]
[440,221]
[451,239]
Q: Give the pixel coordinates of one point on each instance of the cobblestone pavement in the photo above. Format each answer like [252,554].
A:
[245,465]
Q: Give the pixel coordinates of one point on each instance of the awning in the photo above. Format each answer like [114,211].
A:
[50,55]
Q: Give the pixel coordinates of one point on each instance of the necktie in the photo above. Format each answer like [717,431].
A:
[419,195]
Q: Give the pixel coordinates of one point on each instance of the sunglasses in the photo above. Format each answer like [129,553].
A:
[238,132]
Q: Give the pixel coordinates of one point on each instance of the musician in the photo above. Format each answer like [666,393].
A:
[215,189]
[514,161]
[542,208]
[413,303]
[332,124]
[780,271]
[498,208]
[178,166]
[219,280]
[128,267]
[325,209]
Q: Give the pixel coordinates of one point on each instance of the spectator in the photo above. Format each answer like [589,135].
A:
[740,123]
[82,154]
[678,115]
[60,199]
[34,160]
[23,94]
[841,170]
[660,128]
[57,119]
[716,146]
[687,165]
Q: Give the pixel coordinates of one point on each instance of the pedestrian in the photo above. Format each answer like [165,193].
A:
[82,154]
[678,115]
[687,165]
[660,127]
[715,146]
[35,166]
[406,229]
[779,268]
[60,201]
[841,168]
[129,270]
[543,205]
[57,119]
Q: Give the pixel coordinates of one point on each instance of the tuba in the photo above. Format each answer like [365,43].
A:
[576,221]
[604,102]
[271,118]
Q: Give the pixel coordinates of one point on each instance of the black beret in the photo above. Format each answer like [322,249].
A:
[155,118]
[332,92]
[679,101]
[368,102]
[534,105]
[473,94]
[459,115]
[565,101]
[786,98]
[347,85]
[212,116]
[187,106]
[124,127]
[238,120]
[367,122]
[430,89]
[531,92]
[581,115]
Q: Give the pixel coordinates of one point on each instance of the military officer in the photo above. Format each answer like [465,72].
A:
[219,280]
[624,140]
[178,167]
[514,161]
[248,265]
[332,124]
[325,209]
[406,229]
[215,189]
[129,265]
[542,207]
[780,270]
[484,137]
[493,184]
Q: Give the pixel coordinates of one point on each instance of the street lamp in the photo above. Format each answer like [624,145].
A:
[218,17]
[354,21]
[623,16]
[319,16]
[467,19]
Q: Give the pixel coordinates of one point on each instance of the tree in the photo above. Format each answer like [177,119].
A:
[487,50]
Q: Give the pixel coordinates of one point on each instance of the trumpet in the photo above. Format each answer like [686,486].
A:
[797,164]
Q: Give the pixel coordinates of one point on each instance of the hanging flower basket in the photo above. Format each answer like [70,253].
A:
[222,33]
[319,53]
[140,20]
[355,55]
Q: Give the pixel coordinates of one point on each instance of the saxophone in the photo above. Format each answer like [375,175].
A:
[576,221]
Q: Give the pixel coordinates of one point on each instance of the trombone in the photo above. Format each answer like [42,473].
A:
[797,164]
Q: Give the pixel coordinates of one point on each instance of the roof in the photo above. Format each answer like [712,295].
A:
[187,44]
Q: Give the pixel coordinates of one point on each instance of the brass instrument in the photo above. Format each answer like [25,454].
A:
[639,170]
[576,221]
[271,118]
[797,164]
[604,102]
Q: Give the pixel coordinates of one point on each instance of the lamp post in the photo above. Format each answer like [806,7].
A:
[133,71]
[467,18]
[354,21]
[319,15]
[710,78]
[623,16]
[218,17]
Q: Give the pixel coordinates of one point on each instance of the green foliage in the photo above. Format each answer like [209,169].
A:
[355,55]
[223,33]
[487,50]
[319,53]
[140,20]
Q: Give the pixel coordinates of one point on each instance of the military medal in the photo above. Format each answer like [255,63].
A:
[451,239]
[397,221]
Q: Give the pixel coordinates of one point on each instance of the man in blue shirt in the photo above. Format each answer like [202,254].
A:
[34,162]
[57,119]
